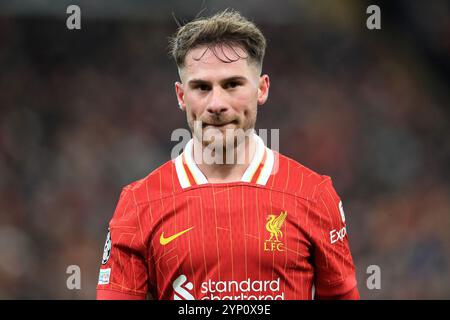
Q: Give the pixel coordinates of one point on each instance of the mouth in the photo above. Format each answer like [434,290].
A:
[219,125]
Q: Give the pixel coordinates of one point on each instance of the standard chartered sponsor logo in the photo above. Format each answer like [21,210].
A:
[243,290]
[180,292]
[230,290]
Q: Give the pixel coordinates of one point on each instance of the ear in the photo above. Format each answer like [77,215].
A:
[263,89]
[180,95]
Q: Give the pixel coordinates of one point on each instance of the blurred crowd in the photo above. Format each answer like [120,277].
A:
[83,113]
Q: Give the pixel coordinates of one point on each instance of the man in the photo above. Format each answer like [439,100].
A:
[261,226]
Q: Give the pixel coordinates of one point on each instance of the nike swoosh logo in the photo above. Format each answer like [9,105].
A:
[165,241]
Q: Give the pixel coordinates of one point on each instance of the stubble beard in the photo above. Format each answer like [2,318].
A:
[225,146]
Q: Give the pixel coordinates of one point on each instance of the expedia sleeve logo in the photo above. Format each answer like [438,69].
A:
[107,249]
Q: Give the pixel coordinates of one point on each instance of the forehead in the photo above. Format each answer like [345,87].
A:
[204,63]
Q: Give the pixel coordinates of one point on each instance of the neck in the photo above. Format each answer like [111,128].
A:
[229,171]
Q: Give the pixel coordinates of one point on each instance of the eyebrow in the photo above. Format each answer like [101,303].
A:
[201,81]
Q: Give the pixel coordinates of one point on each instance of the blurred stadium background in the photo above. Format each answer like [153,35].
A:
[83,113]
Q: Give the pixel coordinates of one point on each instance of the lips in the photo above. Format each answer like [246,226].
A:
[218,125]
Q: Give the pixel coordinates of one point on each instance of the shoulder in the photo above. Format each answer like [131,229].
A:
[293,177]
[325,210]
[157,184]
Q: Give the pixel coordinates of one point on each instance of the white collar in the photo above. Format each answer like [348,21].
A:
[258,171]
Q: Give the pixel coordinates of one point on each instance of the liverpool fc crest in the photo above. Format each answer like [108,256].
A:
[273,226]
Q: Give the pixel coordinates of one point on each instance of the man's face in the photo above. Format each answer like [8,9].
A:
[221,95]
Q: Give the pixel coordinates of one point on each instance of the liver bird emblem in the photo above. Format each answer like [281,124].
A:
[274,224]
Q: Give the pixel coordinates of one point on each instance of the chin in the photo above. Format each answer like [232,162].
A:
[220,141]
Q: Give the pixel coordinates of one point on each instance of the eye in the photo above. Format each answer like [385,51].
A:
[232,84]
[203,87]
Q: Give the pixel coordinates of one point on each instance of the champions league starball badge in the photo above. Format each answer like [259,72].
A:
[107,249]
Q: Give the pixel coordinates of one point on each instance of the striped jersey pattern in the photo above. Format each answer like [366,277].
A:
[279,233]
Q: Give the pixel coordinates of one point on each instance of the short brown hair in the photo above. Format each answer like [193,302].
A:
[227,28]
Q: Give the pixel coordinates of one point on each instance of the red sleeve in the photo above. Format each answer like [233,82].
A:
[351,295]
[115,295]
[334,271]
[123,272]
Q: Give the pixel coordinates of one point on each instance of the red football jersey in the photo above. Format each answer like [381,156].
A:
[279,233]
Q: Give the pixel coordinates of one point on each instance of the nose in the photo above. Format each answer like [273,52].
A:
[217,103]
